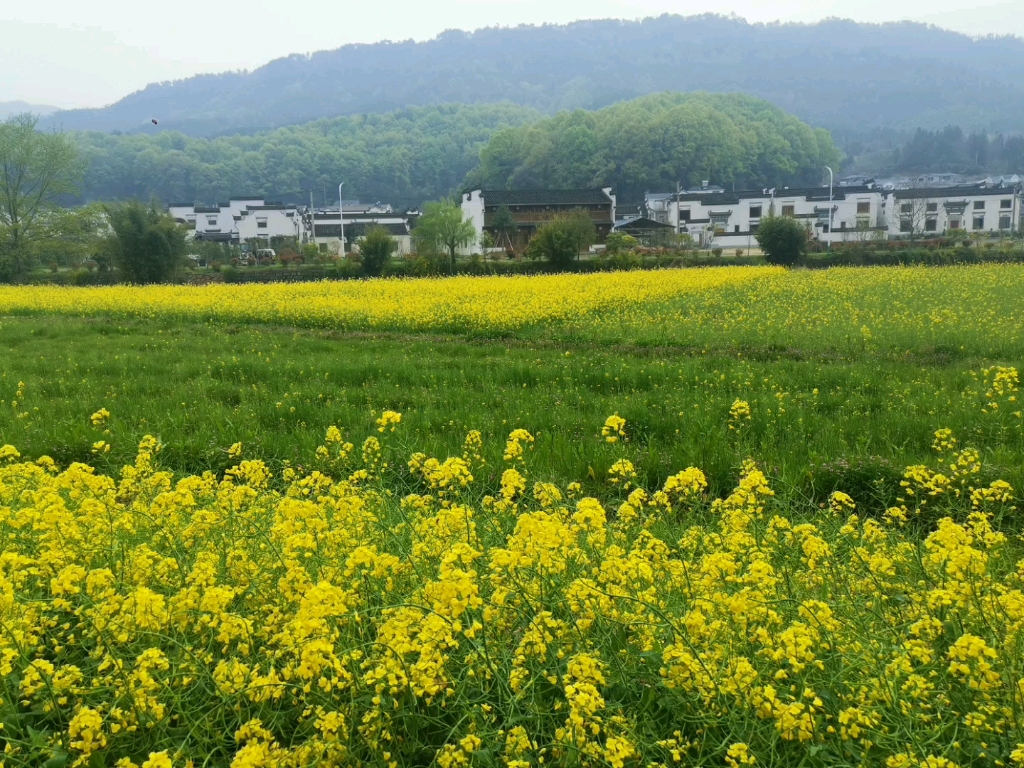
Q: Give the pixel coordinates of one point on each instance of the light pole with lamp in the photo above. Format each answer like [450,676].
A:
[341,219]
[829,208]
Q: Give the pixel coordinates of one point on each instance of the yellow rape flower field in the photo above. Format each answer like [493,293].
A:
[367,601]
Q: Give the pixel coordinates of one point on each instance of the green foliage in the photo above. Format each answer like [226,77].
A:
[656,141]
[147,244]
[402,157]
[442,230]
[561,239]
[36,169]
[782,239]
[375,248]
[620,241]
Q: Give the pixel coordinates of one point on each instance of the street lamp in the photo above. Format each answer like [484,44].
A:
[829,208]
[341,218]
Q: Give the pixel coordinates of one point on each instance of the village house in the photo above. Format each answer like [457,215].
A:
[730,219]
[239,220]
[991,209]
[323,227]
[531,208]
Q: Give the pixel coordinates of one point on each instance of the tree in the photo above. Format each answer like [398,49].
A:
[147,244]
[910,214]
[442,229]
[783,240]
[504,226]
[36,168]
[561,239]
[376,247]
[620,241]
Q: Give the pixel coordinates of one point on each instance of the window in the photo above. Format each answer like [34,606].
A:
[261,223]
[979,205]
[906,225]
[1004,222]
[684,214]
[863,223]
[211,220]
[1006,204]
[932,207]
[906,207]
[755,211]
[736,228]
[954,223]
[755,225]
[863,206]
[931,225]
[788,210]
[979,222]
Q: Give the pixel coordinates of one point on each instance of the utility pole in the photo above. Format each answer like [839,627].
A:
[829,208]
[341,218]
[312,218]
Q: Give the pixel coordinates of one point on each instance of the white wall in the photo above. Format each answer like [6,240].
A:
[473,209]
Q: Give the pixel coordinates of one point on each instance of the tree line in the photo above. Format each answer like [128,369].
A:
[415,155]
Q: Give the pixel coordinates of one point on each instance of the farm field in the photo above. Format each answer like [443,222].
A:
[726,517]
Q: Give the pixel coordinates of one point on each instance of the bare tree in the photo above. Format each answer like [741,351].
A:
[909,213]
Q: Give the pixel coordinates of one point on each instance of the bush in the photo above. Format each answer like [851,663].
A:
[783,240]
[147,244]
[376,247]
[561,239]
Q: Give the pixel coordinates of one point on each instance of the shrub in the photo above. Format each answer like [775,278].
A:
[376,247]
[561,239]
[782,239]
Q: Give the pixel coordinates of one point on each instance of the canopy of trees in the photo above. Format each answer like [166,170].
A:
[951,150]
[403,158]
[414,155]
[656,141]
[838,74]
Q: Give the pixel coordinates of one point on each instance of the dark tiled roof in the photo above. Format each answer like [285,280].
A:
[808,193]
[207,209]
[641,223]
[359,229]
[494,197]
[919,192]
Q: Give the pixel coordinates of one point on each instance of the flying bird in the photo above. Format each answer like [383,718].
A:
[154,122]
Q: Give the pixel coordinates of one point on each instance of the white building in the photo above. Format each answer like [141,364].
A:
[323,227]
[239,219]
[983,208]
[730,219]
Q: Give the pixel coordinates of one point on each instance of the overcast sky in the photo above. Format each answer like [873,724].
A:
[101,50]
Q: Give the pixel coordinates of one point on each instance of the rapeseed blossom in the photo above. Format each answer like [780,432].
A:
[374,608]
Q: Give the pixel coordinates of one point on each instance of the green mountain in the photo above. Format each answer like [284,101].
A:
[837,74]
[417,154]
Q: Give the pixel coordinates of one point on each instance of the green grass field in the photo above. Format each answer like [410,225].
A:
[706,596]
[201,387]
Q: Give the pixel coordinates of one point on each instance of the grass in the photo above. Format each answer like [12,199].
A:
[820,420]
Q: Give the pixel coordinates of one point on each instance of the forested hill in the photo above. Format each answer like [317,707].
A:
[402,157]
[657,141]
[837,74]
[424,153]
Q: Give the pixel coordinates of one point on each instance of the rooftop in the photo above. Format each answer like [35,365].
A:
[545,197]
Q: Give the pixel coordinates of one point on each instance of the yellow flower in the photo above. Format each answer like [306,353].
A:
[100,418]
[614,428]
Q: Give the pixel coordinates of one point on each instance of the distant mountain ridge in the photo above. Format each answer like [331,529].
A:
[836,74]
[10,108]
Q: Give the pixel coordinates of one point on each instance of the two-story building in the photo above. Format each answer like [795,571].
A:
[989,209]
[239,219]
[730,219]
[323,227]
[532,208]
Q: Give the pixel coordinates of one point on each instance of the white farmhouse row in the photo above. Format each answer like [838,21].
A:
[240,219]
[730,219]
[244,219]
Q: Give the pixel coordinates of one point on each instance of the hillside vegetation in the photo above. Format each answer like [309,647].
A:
[837,74]
[656,141]
[413,155]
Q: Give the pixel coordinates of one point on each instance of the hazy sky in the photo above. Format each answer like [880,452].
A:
[74,54]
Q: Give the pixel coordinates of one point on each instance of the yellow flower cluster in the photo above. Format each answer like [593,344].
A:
[347,615]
